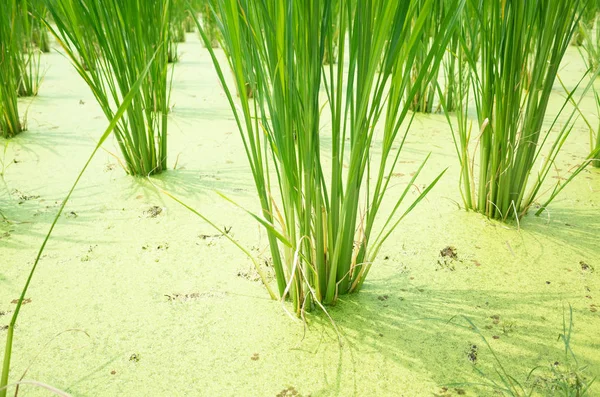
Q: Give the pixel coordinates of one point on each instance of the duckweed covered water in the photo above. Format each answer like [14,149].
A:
[136,296]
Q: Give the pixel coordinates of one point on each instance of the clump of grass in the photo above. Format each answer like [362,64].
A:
[172,51]
[520,49]
[110,43]
[178,15]
[454,77]
[189,23]
[589,31]
[10,122]
[40,36]
[29,54]
[177,20]
[588,11]
[321,224]
[209,22]
[450,72]
[425,95]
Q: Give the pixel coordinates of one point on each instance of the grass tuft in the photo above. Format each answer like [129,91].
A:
[110,42]
[10,122]
[321,222]
[519,50]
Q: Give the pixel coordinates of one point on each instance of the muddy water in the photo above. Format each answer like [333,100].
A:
[136,296]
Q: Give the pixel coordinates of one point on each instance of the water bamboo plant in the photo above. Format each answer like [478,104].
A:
[110,42]
[10,122]
[324,223]
[520,49]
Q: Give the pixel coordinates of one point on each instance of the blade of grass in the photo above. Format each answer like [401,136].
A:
[126,102]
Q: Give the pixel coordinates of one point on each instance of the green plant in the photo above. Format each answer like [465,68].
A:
[568,378]
[172,51]
[10,122]
[335,35]
[425,95]
[520,49]
[594,131]
[178,15]
[119,113]
[29,55]
[110,42]
[189,23]
[209,22]
[454,77]
[590,48]
[565,379]
[587,35]
[450,72]
[595,144]
[40,37]
[320,221]
[588,11]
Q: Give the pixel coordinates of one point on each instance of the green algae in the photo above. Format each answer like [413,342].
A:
[157,288]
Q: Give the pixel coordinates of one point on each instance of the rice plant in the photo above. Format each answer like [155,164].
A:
[40,37]
[327,56]
[324,224]
[423,100]
[463,34]
[590,37]
[594,129]
[450,72]
[189,23]
[520,49]
[110,42]
[209,22]
[128,99]
[178,15]
[588,11]
[29,59]
[10,122]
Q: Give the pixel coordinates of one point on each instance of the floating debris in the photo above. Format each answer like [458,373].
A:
[586,267]
[472,353]
[25,301]
[153,211]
